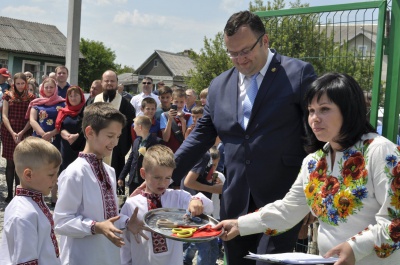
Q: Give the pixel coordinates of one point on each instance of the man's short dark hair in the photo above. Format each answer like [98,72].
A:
[244,18]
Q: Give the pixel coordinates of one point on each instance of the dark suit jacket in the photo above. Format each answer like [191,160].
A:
[264,159]
[134,162]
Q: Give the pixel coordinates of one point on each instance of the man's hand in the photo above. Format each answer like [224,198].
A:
[344,252]
[108,229]
[196,207]
[231,228]
[120,183]
[136,226]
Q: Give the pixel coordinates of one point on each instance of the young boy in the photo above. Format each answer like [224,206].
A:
[203,96]
[158,164]
[148,109]
[28,233]
[145,139]
[173,123]
[165,96]
[197,113]
[86,214]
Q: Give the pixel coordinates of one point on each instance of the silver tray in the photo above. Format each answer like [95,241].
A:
[176,215]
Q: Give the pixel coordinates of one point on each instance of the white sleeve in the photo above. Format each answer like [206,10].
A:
[125,252]
[67,221]
[22,239]
[279,216]
[207,203]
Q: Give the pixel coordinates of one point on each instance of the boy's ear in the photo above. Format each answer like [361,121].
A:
[27,175]
[89,131]
[143,173]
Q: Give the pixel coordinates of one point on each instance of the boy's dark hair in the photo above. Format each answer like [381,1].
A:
[144,121]
[164,90]
[179,93]
[148,100]
[346,93]
[214,153]
[198,110]
[99,115]
[244,18]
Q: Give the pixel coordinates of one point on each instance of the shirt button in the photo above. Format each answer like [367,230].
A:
[247,137]
[247,162]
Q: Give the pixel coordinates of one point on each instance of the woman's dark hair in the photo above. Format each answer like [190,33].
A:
[244,18]
[346,93]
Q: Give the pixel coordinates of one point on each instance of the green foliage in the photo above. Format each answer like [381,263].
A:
[124,69]
[210,62]
[98,58]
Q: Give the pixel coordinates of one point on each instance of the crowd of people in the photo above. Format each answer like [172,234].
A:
[235,153]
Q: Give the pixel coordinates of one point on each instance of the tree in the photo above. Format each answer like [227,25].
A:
[124,69]
[98,58]
[210,62]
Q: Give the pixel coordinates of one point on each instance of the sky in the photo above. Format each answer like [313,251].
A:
[134,29]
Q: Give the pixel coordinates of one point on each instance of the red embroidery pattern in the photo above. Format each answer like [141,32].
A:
[38,198]
[159,241]
[109,203]
[31,262]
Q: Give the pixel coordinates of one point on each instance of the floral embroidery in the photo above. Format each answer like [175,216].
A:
[42,115]
[311,165]
[384,250]
[50,122]
[334,198]
[271,232]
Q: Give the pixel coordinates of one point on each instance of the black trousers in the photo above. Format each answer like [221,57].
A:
[237,248]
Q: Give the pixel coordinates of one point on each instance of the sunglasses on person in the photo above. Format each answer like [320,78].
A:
[146,83]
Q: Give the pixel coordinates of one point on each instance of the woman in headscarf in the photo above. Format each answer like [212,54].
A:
[68,123]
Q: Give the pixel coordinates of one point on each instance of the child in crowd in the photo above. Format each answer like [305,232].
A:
[197,113]
[203,96]
[158,165]
[145,139]
[148,109]
[165,96]
[201,178]
[28,233]
[173,123]
[86,215]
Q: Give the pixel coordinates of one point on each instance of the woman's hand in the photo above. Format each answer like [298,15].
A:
[231,228]
[344,252]
[47,136]
[72,138]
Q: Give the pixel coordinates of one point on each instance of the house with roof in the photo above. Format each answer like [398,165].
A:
[30,46]
[172,68]
[359,37]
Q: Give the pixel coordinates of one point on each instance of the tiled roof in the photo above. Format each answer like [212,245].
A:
[178,64]
[346,32]
[31,37]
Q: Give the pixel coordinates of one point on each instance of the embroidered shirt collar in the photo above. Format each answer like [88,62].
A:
[28,193]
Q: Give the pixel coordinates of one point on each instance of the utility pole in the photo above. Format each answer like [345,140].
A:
[73,37]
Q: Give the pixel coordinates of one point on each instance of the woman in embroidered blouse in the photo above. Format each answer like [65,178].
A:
[351,181]
[42,113]
[14,127]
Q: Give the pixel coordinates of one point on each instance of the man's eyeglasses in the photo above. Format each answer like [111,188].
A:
[146,83]
[234,55]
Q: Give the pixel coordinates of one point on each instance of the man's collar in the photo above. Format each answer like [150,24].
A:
[263,70]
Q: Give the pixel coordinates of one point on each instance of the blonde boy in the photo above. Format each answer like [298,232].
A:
[158,164]
[28,233]
[86,214]
[203,96]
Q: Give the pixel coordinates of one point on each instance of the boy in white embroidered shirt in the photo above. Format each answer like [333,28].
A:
[28,233]
[158,164]
[86,214]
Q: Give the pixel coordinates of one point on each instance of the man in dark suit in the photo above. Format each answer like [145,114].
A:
[263,144]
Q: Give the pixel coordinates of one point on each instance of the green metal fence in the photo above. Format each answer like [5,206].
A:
[347,38]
